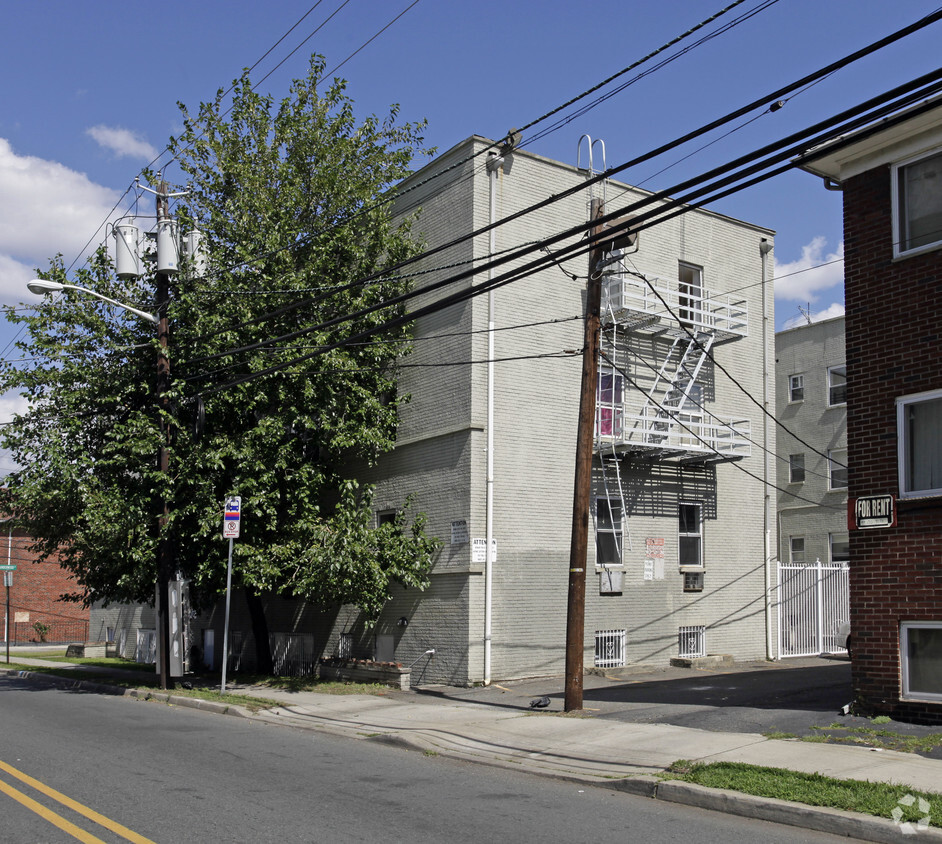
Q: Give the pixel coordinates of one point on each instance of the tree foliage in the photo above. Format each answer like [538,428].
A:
[285,193]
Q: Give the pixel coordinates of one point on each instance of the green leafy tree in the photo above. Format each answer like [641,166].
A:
[286,194]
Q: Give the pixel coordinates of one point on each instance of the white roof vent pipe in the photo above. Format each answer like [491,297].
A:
[195,254]
[127,251]
[168,249]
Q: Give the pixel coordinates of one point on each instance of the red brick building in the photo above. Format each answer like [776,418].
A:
[35,612]
[891,178]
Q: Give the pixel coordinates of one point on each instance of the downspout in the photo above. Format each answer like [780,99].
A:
[494,164]
[764,248]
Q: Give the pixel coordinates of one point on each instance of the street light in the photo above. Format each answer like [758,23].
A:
[42,287]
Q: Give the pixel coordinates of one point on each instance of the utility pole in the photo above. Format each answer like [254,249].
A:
[164,547]
[578,552]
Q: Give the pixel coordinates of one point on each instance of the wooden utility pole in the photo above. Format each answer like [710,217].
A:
[578,551]
[164,548]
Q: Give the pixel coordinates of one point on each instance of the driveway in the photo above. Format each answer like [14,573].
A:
[799,697]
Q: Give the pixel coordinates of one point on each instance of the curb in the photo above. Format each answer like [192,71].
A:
[818,818]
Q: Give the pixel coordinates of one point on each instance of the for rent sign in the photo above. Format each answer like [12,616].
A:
[871,511]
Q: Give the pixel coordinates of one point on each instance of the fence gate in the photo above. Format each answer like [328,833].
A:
[813,604]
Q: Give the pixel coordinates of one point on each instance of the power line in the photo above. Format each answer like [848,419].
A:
[772,97]
[747,165]
[735,463]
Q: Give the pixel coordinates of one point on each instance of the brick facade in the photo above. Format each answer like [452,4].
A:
[893,345]
[34,596]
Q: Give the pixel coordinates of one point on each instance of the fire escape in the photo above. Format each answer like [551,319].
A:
[659,413]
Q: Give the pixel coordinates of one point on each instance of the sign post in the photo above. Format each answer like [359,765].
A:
[7,569]
[231,522]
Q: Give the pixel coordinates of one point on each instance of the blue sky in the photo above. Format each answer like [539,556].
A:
[90,92]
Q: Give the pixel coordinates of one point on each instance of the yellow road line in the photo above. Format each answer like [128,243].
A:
[49,815]
[74,805]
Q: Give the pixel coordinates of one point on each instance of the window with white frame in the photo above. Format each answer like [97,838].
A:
[917,204]
[796,388]
[837,385]
[796,550]
[690,535]
[796,468]
[691,292]
[919,437]
[608,519]
[610,409]
[840,547]
[837,468]
[921,659]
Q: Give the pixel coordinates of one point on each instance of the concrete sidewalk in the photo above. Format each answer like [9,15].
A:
[496,726]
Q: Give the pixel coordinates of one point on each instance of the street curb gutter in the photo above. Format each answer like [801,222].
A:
[819,818]
[139,694]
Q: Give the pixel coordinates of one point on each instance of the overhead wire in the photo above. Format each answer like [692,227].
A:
[608,173]
[725,176]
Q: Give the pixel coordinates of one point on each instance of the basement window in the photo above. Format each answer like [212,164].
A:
[921,659]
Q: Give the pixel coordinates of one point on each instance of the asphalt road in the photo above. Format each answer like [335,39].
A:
[178,775]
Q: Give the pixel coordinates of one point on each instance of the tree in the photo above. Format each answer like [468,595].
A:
[286,194]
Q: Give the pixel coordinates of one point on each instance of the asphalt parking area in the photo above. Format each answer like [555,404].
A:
[800,698]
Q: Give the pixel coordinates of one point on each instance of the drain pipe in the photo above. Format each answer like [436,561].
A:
[765,247]
[494,164]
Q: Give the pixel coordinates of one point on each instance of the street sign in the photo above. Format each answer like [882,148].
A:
[871,511]
[8,567]
[231,517]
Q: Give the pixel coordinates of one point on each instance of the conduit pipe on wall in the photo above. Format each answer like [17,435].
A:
[494,164]
[765,247]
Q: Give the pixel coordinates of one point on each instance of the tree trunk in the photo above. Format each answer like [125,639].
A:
[263,660]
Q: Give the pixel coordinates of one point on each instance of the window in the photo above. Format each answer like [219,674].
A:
[693,581]
[607,532]
[837,468]
[385,517]
[796,550]
[796,468]
[840,547]
[610,648]
[608,422]
[921,659]
[917,204]
[919,434]
[796,388]
[690,535]
[691,293]
[837,385]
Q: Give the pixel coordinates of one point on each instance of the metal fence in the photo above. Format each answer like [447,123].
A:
[51,630]
[814,604]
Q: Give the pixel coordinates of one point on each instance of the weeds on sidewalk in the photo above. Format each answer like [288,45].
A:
[871,798]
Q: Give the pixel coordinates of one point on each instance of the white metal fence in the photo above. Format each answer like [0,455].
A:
[813,606]
[610,648]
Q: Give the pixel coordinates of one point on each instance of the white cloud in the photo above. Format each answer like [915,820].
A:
[122,142]
[835,309]
[11,404]
[47,208]
[815,271]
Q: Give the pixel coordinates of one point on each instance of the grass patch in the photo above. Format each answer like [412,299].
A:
[873,737]
[870,798]
[311,684]
[777,734]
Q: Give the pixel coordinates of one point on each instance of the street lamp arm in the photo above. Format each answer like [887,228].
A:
[42,287]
